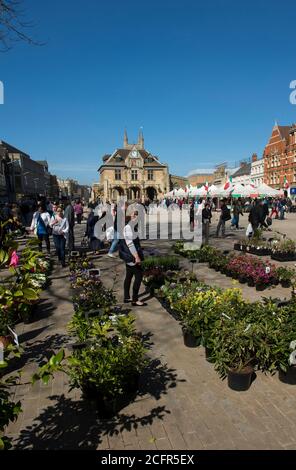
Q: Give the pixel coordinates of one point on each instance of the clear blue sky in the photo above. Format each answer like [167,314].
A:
[206,80]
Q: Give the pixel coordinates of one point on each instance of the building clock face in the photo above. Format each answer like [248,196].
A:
[134,153]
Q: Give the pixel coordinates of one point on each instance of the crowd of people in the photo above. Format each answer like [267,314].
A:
[57,219]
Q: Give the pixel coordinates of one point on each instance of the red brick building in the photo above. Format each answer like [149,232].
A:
[280,157]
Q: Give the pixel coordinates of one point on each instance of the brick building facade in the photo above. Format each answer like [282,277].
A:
[280,157]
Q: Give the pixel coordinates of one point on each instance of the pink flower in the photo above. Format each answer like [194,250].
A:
[14,260]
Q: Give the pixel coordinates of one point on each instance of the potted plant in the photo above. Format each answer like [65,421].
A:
[108,368]
[234,353]
[285,276]
[283,250]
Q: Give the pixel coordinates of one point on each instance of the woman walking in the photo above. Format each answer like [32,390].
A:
[40,226]
[60,229]
[131,252]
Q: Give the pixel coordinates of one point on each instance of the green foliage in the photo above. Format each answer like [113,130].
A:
[9,410]
[164,263]
[285,274]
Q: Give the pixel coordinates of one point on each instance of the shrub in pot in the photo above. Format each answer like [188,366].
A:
[9,410]
[106,368]
[234,352]
[283,250]
[285,276]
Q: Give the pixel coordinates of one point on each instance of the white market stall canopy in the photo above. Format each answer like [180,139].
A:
[234,190]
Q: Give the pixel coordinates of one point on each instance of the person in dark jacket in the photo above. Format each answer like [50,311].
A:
[94,243]
[69,214]
[206,220]
[224,216]
[255,215]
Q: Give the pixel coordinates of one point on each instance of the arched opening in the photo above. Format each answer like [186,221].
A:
[151,193]
[134,193]
[117,192]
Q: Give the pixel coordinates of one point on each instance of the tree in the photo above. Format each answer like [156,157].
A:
[13,26]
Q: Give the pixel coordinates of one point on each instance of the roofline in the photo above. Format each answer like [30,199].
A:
[6,144]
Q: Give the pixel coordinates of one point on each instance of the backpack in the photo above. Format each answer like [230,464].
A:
[226,214]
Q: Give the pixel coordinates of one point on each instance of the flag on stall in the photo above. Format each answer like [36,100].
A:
[286,183]
[228,182]
[206,186]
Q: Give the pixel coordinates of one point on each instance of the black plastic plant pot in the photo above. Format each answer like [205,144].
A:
[288,377]
[189,339]
[286,283]
[240,381]
[208,354]
[260,287]
[251,283]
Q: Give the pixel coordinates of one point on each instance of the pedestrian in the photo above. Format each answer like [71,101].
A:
[70,216]
[255,215]
[40,226]
[206,220]
[115,241]
[60,229]
[78,209]
[224,216]
[131,252]
[94,243]
[237,211]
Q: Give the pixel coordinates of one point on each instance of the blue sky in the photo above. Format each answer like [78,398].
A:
[206,80]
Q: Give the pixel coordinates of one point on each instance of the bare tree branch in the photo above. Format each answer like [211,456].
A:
[13,26]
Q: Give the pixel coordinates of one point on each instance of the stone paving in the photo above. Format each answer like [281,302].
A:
[182,403]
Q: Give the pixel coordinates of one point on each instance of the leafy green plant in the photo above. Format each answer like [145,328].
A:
[107,365]
[234,345]
[164,263]
[285,274]
[9,410]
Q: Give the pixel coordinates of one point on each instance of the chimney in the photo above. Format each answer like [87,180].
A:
[254,157]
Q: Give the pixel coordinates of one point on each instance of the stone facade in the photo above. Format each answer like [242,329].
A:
[133,172]
[178,182]
[280,157]
[200,179]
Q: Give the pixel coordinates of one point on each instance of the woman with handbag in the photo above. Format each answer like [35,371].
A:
[131,252]
[60,229]
[40,226]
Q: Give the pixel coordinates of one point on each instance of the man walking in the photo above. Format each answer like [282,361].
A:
[69,214]
[224,216]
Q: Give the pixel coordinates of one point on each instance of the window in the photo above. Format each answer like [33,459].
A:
[134,175]
[150,175]
[118,174]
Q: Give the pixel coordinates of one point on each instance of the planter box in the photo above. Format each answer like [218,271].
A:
[261,252]
[237,246]
[283,256]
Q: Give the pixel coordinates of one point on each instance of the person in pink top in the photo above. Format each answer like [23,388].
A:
[78,209]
